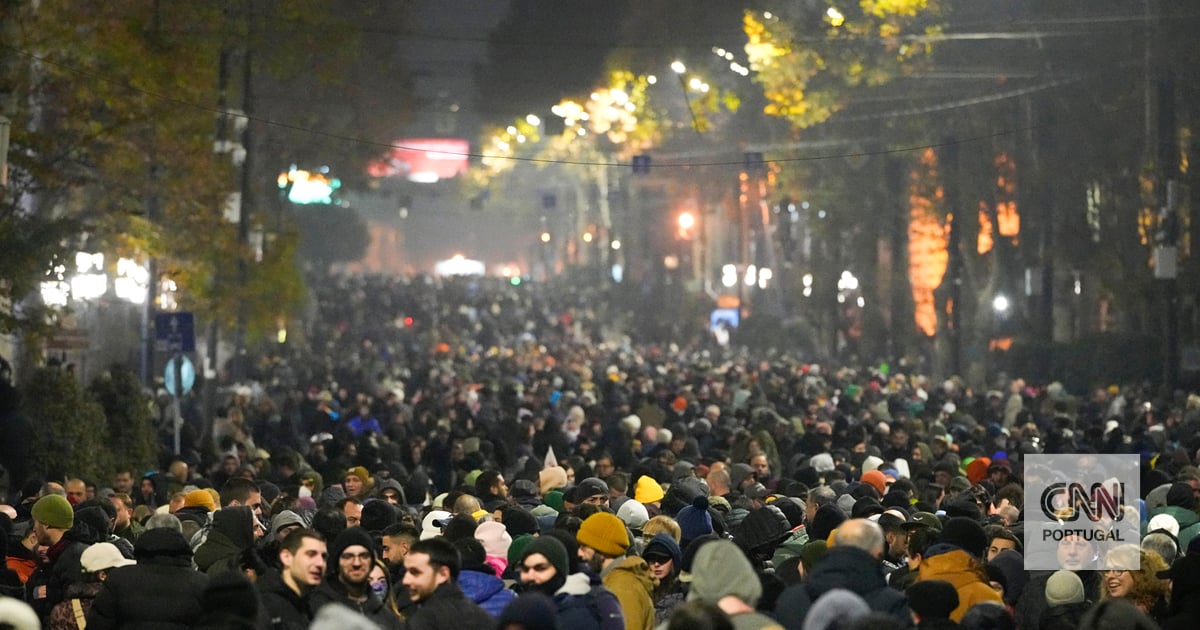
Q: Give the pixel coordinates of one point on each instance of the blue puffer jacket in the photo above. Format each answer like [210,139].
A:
[486,590]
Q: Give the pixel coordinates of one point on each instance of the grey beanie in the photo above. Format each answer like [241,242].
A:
[1064,587]
[721,569]
[837,608]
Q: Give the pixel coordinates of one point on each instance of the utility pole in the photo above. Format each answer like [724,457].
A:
[1166,251]
[243,232]
[950,181]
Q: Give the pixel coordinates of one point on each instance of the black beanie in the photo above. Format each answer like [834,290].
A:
[1180,495]
[532,611]
[966,534]
[518,521]
[554,551]
[377,515]
[349,537]
[827,519]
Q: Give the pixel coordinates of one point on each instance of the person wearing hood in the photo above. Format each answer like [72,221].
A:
[723,576]
[665,558]
[603,543]
[1181,503]
[347,579]
[233,531]
[478,579]
[162,591]
[582,601]
[391,491]
[284,523]
[432,568]
[956,558]
[852,563]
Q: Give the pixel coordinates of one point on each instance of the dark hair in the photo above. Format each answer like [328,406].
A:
[329,521]
[699,615]
[295,539]
[921,539]
[237,489]
[485,481]
[441,552]
[401,530]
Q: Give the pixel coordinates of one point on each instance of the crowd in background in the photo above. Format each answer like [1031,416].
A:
[467,452]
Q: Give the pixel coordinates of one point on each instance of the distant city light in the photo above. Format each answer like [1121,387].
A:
[677,67]
[1000,303]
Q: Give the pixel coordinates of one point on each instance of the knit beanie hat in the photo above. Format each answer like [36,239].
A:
[18,614]
[827,519]
[648,490]
[349,537]
[550,547]
[53,510]
[518,521]
[721,569]
[377,515]
[1180,495]
[554,499]
[933,599]
[812,552]
[694,520]
[605,533]
[966,534]
[875,479]
[1064,587]
[518,547]
[362,474]
[199,498]
[836,608]
[633,513]
[459,526]
[494,537]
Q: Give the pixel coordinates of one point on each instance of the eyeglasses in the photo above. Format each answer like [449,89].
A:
[537,568]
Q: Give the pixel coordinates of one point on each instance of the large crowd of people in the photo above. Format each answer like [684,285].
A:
[445,454]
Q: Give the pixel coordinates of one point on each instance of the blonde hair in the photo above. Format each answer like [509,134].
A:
[1147,588]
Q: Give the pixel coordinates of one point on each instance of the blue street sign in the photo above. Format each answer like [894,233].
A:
[175,332]
[641,164]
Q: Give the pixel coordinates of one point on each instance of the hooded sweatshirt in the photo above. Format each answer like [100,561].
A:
[960,569]
[232,532]
[628,577]
[719,570]
[844,567]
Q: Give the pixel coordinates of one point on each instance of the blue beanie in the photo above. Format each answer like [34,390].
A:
[694,520]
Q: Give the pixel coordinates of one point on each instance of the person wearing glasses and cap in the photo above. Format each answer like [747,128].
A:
[582,601]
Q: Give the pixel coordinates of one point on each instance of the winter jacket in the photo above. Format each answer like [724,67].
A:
[447,608]
[584,604]
[1189,523]
[1028,611]
[486,590]
[232,532]
[960,569]
[629,579]
[1063,616]
[791,546]
[850,568]
[331,591]
[47,586]
[161,592]
[666,600]
[285,609]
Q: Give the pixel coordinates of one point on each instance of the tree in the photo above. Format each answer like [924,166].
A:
[132,439]
[69,436]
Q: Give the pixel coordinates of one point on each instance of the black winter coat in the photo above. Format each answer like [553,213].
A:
[285,609]
[331,591]
[843,567]
[161,592]
[448,609]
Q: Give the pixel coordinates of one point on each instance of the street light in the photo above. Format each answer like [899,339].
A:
[1000,304]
